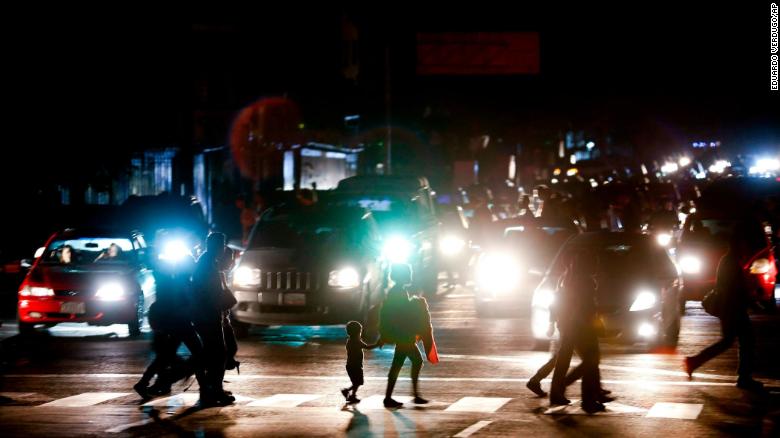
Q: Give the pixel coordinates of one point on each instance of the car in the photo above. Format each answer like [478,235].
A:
[507,273]
[309,265]
[97,276]
[405,212]
[704,241]
[454,244]
[637,294]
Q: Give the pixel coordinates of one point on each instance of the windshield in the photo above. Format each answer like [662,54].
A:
[292,233]
[384,208]
[620,259]
[88,250]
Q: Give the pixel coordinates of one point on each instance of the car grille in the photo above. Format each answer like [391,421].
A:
[288,281]
[67,293]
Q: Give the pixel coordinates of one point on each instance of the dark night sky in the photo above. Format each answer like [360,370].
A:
[124,80]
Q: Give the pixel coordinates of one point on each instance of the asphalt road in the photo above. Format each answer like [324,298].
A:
[75,380]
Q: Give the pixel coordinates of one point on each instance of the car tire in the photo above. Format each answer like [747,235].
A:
[134,326]
[26,329]
[541,345]
[240,329]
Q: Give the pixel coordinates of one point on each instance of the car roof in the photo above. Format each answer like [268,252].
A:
[383,183]
[610,238]
[74,233]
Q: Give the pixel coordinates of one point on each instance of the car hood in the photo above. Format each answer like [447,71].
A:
[57,277]
[286,259]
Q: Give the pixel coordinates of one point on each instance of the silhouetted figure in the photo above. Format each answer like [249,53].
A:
[401,320]
[209,290]
[733,300]
[355,347]
[170,320]
[576,315]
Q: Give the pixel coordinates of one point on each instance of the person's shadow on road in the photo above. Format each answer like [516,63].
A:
[358,424]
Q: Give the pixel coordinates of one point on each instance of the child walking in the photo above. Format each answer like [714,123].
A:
[355,347]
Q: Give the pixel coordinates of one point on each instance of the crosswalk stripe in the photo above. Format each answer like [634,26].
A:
[85,399]
[478,404]
[681,411]
[575,408]
[285,400]
[376,401]
[188,399]
[471,430]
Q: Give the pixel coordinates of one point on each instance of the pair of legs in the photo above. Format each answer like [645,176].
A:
[167,365]
[214,352]
[736,326]
[402,352]
[584,341]
[356,377]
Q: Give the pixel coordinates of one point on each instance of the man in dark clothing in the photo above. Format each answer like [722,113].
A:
[733,302]
[209,286]
[170,321]
[576,314]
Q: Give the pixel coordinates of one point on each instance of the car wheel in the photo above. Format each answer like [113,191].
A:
[541,345]
[240,329]
[134,326]
[26,329]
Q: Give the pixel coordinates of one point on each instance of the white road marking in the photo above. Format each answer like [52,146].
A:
[681,411]
[478,404]
[285,400]
[376,401]
[187,399]
[575,408]
[85,399]
[474,428]
[340,378]
[124,427]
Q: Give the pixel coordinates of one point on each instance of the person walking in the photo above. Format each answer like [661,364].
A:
[732,303]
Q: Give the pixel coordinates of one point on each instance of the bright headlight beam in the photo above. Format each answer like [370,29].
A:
[451,245]
[497,272]
[644,300]
[246,276]
[174,251]
[397,249]
[690,264]
[663,239]
[110,292]
[543,298]
[346,278]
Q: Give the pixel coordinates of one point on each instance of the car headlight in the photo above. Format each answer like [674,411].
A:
[245,276]
[497,272]
[690,264]
[543,298]
[110,292]
[644,300]
[451,245]
[174,251]
[397,250]
[663,239]
[760,266]
[36,291]
[346,278]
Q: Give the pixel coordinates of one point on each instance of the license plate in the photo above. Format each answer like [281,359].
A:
[295,299]
[76,308]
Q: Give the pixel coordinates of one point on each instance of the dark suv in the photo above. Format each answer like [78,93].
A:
[309,265]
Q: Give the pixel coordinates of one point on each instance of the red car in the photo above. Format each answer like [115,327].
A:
[703,243]
[93,276]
